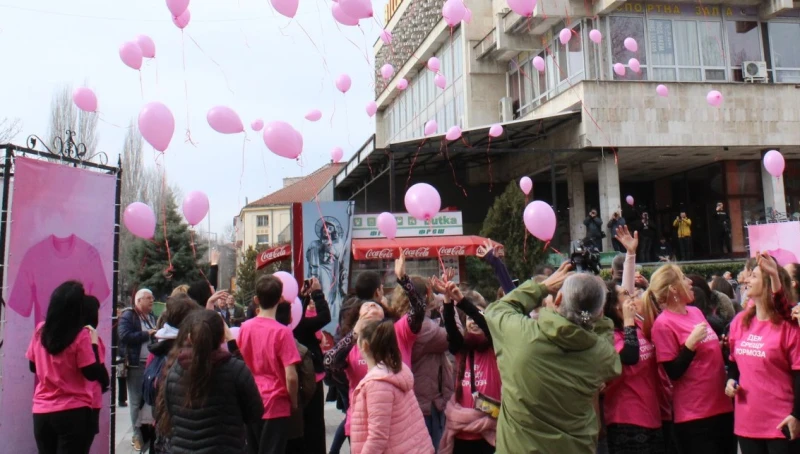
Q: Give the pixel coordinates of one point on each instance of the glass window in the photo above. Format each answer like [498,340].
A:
[575,53]
[662,49]
[460,111]
[262,239]
[743,45]
[711,44]
[542,80]
[560,54]
[784,39]
[687,47]
[527,83]
[621,28]
[513,86]
[262,221]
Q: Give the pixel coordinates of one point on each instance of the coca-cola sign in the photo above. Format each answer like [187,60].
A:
[274,254]
[380,254]
[445,251]
[418,253]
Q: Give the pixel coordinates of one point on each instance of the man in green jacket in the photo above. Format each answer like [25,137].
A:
[553,367]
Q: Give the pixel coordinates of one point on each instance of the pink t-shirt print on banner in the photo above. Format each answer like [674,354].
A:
[700,392]
[50,263]
[267,348]
[61,384]
[766,355]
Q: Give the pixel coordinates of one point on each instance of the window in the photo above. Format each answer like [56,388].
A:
[685,50]
[262,221]
[743,45]
[784,38]
[622,27]
[262,239]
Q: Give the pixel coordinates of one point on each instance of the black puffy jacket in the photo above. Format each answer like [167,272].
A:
[218,426]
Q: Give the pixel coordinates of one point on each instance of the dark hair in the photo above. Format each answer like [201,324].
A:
[200,291]
[206,329]
[268,291]
[612,301]
[794,276]
[711,297]
[91,311]
[349,320]
[367,284]
[751,264]
[382,343]
[283,314]
[701,301]
[720,284]
[178,307]
[64,320]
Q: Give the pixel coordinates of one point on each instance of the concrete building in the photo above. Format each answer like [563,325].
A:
[586,135]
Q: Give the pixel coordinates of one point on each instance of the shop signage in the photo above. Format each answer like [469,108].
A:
[686,9]
[274,254]
[444,224]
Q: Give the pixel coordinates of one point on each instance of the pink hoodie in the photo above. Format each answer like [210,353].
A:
[386,418]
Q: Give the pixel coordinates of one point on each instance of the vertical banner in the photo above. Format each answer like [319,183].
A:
[781,240]
[62,228]
[327,234]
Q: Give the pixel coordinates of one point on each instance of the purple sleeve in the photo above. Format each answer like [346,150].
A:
[500,271]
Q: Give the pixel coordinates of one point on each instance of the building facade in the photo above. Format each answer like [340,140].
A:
[671,153]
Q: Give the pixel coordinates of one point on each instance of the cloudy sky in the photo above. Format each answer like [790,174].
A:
[250,58]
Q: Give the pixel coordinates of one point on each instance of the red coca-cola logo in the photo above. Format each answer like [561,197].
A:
[451,251]
[379,254]
[275,254]
[418,253]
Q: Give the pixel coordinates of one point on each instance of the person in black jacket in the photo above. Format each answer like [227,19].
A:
[306,333]
[723,223]
[209,396]
[594,229]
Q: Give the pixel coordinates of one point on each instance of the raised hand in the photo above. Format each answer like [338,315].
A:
[556,280]
[438,285]
[631,242]
[454,292]
[400,265]
[485,249]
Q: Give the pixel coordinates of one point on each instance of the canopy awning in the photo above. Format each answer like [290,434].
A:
[420,247]
[274,254]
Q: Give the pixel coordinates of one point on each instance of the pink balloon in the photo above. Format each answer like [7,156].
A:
[522,7]
[540,220]
[313,115]
[496,130]
[434,64]
[440,81]
[387,225]
[468,16]
[131,55]
[140,220]
[341,17]
[336,154]
[526,184]
[662,90]
[619,68]
[195,207]
[423,201]
[183,20]
[714,98]
[634,65]
[774,163]
[157,125]
[386,36]
[453,12]
[629,200]
[257,125]
[372,108]
[431,127]
[286,8]
[596,36]
[343,83]
[224,120]
[359,9]
[290,289]
[85,99]
[147,46]
[631,44]
[297,313]
[564,36]
[402,84]
[453,133]
[387,71]
[538,63]
[282,139]
[177,7]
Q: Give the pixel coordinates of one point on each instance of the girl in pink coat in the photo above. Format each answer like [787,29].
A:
[386,417]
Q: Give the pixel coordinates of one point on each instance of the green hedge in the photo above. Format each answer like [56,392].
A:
[703,269]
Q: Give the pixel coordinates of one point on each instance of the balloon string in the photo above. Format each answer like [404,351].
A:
[194,253]
[99,117]
[441,263]
[414,161]
[324,61]
[455,179]
[225,76]
[241,175]
[164,214]
[141,86]
[186,92]
[489,160]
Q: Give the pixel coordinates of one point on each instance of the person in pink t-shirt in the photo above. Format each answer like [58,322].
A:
[269,350]
[764,372]
[64,356]
[91,307]
[346,357]
[691,355]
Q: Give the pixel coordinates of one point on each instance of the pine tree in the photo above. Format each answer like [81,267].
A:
[153,271]
[246,277]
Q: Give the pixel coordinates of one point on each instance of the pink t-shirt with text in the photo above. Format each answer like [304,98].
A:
[700,392]
[50,263]
[766,355]
[487,382]
[267,348]
[97,389]
[633,397]
[357,366]
[60,383]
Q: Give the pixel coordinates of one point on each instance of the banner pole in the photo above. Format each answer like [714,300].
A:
[114,296]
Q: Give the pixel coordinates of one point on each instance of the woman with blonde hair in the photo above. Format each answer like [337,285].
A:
[691,355]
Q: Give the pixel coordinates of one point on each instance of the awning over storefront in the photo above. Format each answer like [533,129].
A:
[274,254]
[420,247]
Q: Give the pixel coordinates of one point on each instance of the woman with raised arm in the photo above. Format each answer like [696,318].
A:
[486,252]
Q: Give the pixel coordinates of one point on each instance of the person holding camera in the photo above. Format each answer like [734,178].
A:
[723,221]
[594,229]
[616,222]
[684,226]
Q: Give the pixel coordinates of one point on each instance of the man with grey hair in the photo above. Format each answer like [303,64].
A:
[136,328]
[552,368]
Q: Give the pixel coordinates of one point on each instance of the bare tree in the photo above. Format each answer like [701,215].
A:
[9,128]
[64,115]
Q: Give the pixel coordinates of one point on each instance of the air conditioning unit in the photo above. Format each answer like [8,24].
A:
[754,71]
[506,109]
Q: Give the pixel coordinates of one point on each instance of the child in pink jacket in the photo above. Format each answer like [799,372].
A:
[386,417]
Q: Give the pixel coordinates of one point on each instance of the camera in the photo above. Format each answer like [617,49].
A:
[585,257]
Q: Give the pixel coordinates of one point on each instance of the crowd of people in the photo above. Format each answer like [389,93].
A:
[562,363]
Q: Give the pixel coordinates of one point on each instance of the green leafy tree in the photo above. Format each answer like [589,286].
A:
[154,260]
[504,224]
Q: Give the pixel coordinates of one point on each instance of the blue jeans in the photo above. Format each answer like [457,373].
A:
[435,424]
[135,379]
[338,439]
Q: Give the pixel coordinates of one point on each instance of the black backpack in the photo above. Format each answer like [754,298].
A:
[152,375]
[306,377]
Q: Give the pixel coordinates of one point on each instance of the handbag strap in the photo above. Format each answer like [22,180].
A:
[472,370]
